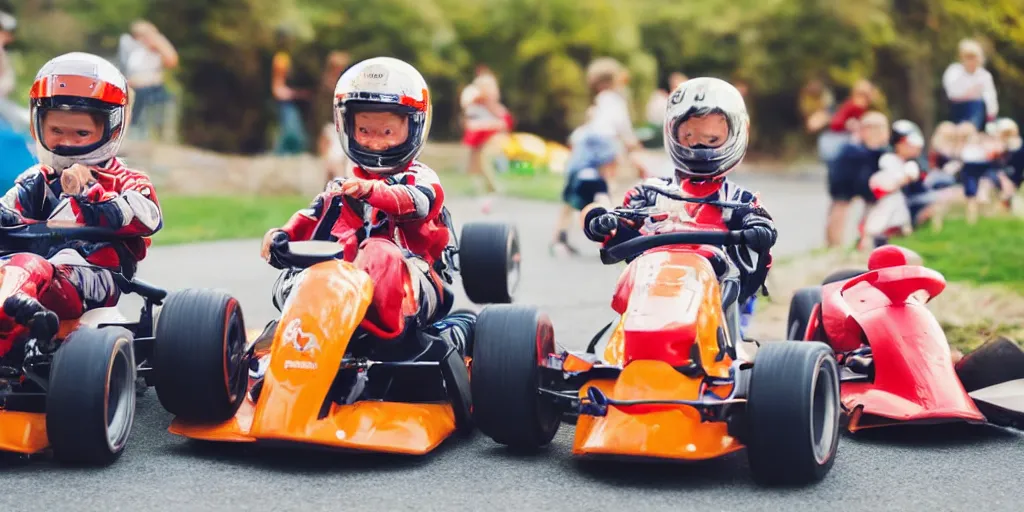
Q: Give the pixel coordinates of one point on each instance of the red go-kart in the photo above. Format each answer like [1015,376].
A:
[896,363]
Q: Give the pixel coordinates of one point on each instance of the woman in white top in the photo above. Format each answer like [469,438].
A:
[607,79]
[144,55]
[970,88]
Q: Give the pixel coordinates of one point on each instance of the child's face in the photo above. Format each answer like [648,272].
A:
[709,131]
[380,131]
[71,129]
[874,135]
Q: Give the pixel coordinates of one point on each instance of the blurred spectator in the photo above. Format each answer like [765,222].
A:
[655,110]
[816,105]
[843,124]
[970,88]
[335,162]
[607,79]
[291,137]
[483,117]
[11,114]
[144,54]
[850,170]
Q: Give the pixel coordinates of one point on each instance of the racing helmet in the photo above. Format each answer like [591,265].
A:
[905,130]
[700,97]
[80,82]
[383,84]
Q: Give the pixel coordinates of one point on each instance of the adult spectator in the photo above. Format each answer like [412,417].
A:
[291,137]
[969,87]
[843,125]
[145,54]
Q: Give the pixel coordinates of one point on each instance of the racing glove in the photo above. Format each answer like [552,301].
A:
[759,237]
[600,225]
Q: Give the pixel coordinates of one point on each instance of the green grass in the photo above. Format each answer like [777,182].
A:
[990,252]
[207,218]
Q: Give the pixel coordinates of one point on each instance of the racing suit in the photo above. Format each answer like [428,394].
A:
[402,227]
[744,269]
[75,276]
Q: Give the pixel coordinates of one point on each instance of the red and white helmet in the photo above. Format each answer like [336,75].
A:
[383,84]
[80,82]
[699,97]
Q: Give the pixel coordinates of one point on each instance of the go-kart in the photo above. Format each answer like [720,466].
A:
[676,380]
[76,393]
[326,382]
[896,364]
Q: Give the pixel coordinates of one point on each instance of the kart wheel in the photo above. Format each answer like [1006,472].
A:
[792,413]
[489,260]
[509,342]
[90,404]
[200,369]
[842,275]
[800,308]
[997,361]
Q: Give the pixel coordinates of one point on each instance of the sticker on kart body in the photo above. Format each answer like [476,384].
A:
[299,365]
[299,339]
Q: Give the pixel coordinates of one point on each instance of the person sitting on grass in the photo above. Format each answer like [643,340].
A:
[897,169]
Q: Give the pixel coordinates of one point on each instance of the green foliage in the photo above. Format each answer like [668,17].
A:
[540,49]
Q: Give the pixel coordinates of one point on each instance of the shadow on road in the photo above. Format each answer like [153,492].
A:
[934,436]
[294,458]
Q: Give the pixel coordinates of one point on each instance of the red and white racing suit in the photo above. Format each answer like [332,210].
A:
[747,267]
[76,275]
[398,230]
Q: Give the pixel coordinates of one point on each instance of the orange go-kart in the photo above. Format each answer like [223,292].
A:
[74,395]
[676,380]
[326,382]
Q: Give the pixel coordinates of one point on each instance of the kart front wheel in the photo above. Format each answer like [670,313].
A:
[489,262]
[792,413]
[509,342]
[200,369]
[800,308]
[90,403]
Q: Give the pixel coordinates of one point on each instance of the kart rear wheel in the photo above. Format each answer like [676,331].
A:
[489,261]
[200,369]
[509,342]
[997,361]
[800,308]
[793,413]
[90,403]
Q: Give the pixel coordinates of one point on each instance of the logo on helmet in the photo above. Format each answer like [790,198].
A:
[374,75]
[701,91]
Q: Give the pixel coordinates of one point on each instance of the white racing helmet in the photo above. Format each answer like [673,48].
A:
[699,97]
[80,82]
[383,84]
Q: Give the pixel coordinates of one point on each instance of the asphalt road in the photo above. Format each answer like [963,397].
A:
[914,470]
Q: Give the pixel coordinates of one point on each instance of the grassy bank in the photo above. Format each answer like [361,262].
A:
[990,252]
[207,218]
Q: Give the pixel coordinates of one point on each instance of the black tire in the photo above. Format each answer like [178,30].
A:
[200,370]
[506,377]
[800,308]
[793,412]
[997,361]
[489,260]
[90,404]
[842,275]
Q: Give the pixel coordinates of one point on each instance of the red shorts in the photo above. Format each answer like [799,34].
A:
[477,138]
